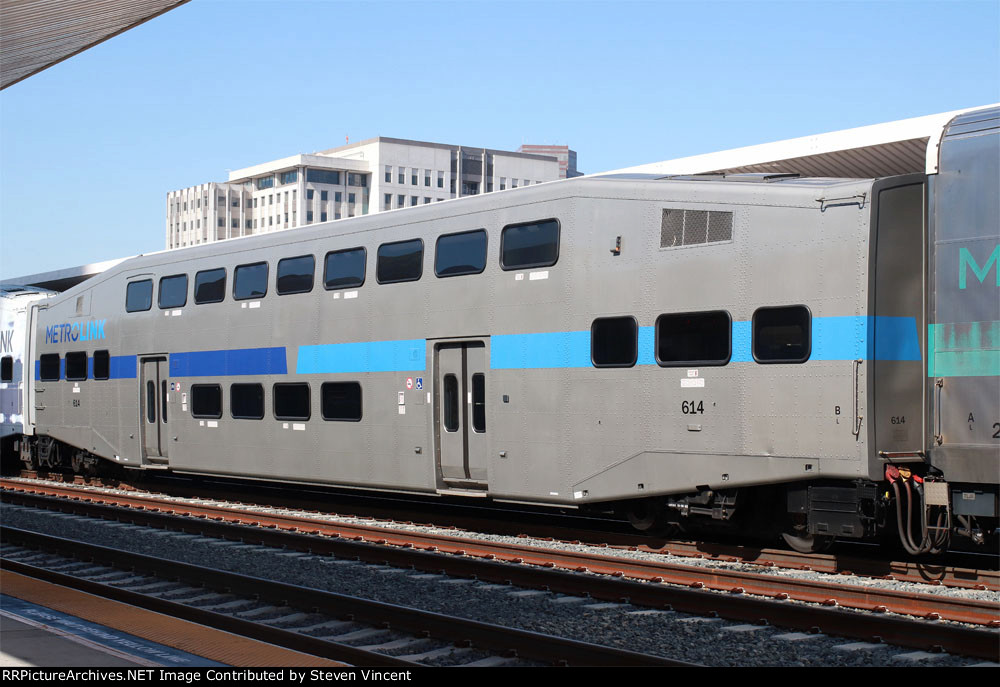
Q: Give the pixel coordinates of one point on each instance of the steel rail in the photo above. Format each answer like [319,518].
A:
[811,591]
[956,639]
[936,571]
[495,638]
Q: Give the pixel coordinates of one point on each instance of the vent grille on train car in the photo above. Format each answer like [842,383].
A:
[691,227]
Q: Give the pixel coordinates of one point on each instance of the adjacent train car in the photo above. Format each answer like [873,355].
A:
[756,352]
[16,337]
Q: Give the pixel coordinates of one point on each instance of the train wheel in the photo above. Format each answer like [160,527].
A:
[645,516]
[803,542]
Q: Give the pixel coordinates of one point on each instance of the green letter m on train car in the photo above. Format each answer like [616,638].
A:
[965,260]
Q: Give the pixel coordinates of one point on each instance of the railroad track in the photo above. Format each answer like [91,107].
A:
[938,571]
[538,569]
[310,621]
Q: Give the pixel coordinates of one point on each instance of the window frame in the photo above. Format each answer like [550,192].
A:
[503,236]
[76,357]
[692,363]
[420,273]
[104,353]
[364,272]
[128,287]
[194,392]
[267,277]
[225,278]
[486,248]
[159,292]
[361,402]
[41,367]
[274,401]
[263,401]
[635,357]
[781,361]
[312,275]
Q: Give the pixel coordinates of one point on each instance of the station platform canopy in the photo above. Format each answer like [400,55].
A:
[904,146]
[36,34]
[64,279]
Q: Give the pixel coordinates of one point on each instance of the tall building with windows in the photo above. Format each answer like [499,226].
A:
[566,157]
[375,175]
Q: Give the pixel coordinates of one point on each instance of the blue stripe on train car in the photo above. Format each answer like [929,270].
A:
[225,363]
[409,355]
[833,338]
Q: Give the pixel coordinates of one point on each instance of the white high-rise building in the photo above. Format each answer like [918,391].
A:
[371,176]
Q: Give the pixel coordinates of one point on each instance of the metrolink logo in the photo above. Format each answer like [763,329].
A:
[966,261]
[77,331]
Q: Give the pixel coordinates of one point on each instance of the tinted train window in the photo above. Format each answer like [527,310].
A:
[291,402]
[344,268]
[341,401]
[206,400]
[246,401]
[782,335]
[463,253]
[139,295]
[614,342]
[479,402]
[295,275]
[400,261]
[250,281]
[210,286]
[7,369]
[76,366]
[173,292]
[694,338]
[49,367]
[533,244]
[451,403]
[102,365]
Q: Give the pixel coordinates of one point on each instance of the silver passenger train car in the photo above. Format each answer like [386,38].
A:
[808,356]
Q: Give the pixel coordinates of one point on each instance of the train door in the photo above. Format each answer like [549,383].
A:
[153,388]
[460,413]
[899,375]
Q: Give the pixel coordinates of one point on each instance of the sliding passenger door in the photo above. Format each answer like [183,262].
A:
[460,413]
[153,389]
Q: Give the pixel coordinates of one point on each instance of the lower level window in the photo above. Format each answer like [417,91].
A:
[782,335]
[206,401]
[291,402]
[614,342]
[246,401]
[341,401]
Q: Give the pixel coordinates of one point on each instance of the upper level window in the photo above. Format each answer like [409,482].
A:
[388,174]
[263,182]
[532,244]
[290,177]
[295,275]
[344,268]
[48,368]
[76,366]
[400,261]
[614,342]
[250,281]
[173,291]
[694,338]
[463,253]
[139,295]
[782,335]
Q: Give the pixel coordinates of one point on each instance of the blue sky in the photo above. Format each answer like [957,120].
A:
[90,148]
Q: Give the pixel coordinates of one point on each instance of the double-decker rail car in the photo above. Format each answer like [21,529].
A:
[810,356]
